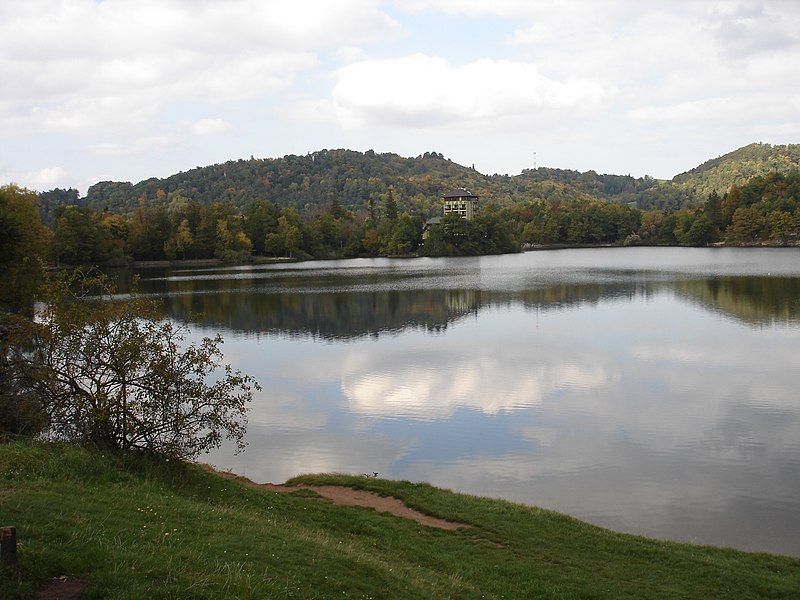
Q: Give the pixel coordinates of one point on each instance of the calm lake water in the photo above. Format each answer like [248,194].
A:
[648,390]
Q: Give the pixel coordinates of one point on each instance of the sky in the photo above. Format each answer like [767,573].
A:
[129,89]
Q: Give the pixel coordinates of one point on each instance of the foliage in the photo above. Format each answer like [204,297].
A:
[738,167]
[23,245]
[107,371]
[762,211]
[50,201]
[339,204]
[355,180]
[487,233]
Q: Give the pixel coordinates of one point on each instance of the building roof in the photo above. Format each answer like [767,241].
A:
[433,221]
[460,193]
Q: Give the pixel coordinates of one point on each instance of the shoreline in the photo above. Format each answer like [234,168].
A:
[208,262]
[325,485]
[271,260]
[133,525]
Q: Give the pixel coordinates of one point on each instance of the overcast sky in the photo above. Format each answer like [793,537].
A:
[128,89]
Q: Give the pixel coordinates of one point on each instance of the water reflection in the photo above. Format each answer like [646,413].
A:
[753,300]
[660,402]
[338,313]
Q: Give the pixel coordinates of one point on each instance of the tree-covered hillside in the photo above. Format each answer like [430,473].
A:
[642,192]
[357,188]
[354,179]
[738,167]
[345,177]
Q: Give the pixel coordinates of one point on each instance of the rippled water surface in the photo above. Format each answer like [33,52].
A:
[647,390]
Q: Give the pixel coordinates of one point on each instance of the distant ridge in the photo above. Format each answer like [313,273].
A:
[349,177]
[353,179]
[737,167]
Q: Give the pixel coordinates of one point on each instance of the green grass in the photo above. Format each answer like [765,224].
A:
[141,528]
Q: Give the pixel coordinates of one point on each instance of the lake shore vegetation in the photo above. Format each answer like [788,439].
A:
[172,227]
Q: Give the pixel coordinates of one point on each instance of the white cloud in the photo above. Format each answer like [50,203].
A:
[764,109]
[140,145]
[535,34]
[210,126]
[666,85]
[81,66]
[421,90]
[167,139]
[747,29]
[730,61]
[43,179]
[350,54]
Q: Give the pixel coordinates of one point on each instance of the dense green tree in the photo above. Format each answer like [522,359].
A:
[781,225]
[405,235]
[260,219]
[390,205]
[746,225]
[149,230]
[77,236]
[713,209]
[49,202]
[24,244]
[701,232]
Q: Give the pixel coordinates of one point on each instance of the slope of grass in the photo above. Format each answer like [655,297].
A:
[142,528]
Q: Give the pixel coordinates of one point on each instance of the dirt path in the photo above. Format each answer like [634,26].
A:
[345,496]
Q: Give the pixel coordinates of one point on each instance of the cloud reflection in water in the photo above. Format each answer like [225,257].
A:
[656,403]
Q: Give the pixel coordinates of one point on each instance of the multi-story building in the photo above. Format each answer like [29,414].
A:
[459,201]
[462,202]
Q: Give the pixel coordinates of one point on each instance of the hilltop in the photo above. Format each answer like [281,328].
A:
[352,178]
[737,168]
[316,179]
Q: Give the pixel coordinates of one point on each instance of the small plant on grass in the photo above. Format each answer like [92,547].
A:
[108,371]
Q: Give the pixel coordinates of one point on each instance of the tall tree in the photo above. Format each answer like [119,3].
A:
[391,205]
[260,219]
[24,242]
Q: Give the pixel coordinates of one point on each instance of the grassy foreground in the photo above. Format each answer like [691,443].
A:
[140,528]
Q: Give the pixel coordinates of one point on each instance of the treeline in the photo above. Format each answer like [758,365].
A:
[180,228]
[765,210]
[738,167]
[642,192]
[310,181]
[303,182]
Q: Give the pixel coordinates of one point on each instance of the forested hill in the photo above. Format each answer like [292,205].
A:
[737,168]
[353,179]
[345,177]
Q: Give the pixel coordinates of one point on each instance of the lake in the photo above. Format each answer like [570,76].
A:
[648,390]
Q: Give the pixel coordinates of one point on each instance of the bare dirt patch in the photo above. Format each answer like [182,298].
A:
[62,588]
[345,496]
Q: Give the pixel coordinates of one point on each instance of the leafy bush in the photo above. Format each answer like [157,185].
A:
[109,372]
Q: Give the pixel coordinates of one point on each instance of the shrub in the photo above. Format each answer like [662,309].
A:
[108,371]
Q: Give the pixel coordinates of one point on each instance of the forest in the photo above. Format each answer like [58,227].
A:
[354,178]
